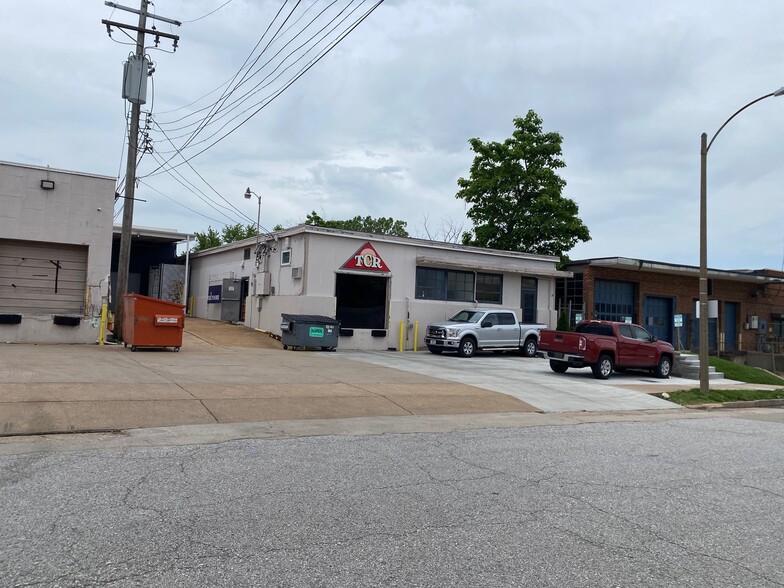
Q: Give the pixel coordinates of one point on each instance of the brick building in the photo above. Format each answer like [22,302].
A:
[746,307]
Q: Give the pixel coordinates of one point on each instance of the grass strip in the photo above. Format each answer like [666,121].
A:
[744,373]
[693,396]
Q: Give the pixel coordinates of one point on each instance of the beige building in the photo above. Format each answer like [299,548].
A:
[370,283]
[55,251]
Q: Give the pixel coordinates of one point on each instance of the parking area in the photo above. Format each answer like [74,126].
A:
[229,374]
[532,381]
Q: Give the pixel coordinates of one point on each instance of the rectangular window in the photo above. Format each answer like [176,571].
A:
[442,284]
[246,253]
[489,288]
[285,257]
[528,299]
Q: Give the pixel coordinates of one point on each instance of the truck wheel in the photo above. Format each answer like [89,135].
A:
[530,347]
[559,367]
[435,350]
[602,368]
[467,347]
[663,369]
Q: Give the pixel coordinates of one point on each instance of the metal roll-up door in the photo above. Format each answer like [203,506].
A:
[42,278]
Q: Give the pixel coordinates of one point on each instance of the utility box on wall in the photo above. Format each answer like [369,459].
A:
[262,286]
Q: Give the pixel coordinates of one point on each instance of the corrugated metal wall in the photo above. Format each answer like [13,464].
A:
[42,278]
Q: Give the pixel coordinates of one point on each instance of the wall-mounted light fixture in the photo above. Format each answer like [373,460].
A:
[47,184]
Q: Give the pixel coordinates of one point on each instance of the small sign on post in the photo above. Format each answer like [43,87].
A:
[678,320]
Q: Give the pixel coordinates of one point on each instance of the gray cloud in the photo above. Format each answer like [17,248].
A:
[380,126]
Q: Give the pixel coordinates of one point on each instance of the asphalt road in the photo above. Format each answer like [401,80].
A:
[676,502]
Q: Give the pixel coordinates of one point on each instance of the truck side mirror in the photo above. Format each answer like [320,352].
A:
[486,324]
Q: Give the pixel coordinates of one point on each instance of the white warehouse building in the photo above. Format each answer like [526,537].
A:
[55,252]
[376,286]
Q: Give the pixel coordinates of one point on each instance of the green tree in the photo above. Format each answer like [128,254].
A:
[229,234]
[378,226]
[237,232]
[515,194]
[207,240]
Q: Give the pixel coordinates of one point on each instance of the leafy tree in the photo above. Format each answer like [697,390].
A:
[516,195]
[207,240]
[237,232]
[229,234]
[378,226]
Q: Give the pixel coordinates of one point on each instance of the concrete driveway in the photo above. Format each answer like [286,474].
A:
[532,381]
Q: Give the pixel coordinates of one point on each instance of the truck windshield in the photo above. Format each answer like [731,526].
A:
[466,316]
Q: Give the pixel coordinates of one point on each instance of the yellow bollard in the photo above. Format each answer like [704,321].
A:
[102,330]
[416,334]
[402,333]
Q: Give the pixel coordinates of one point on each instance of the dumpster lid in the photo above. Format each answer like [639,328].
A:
[309,318]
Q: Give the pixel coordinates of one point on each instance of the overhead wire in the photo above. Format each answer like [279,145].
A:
[217,104]
[208,14]
[195,112]
[272,97]
[183,205]
[260,86]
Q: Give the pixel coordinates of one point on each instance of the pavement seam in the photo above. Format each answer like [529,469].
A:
[356,386]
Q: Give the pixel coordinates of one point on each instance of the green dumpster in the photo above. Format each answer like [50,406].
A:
[301,331]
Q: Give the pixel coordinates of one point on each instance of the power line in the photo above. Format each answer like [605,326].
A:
[182,205]
[273,96]
[208,14]
[258,87]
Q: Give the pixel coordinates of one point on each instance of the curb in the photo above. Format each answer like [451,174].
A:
[772,402]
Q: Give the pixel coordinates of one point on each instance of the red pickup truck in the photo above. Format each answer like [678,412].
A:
[605,346]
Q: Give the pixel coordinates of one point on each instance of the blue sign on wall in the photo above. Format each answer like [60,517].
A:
[214,294]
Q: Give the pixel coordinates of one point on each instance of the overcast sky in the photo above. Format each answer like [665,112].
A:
[380,125]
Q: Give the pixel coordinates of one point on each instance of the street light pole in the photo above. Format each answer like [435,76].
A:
[248,194]
[705,146]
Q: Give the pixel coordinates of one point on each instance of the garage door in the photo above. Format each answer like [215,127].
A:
[42,278]
[613,301]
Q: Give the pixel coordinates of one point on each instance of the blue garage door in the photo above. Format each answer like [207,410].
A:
[713,325]
[730,326]
[613,301]
[657,317]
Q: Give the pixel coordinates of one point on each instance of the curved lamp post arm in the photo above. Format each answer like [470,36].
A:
[703,281]
[779,92]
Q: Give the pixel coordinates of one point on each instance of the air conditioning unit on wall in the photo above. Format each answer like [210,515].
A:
[296,273]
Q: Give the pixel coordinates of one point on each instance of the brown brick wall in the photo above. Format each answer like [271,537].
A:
[685,291]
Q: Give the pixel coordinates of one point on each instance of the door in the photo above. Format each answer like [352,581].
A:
[613,300]
[510,333]
[491,331]
[658,317]
[42,278]
[730,326]
[361,301]
[244,287]
[230,300]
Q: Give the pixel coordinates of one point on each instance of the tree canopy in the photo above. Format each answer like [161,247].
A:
[515,194]
[230,233]
[378,226]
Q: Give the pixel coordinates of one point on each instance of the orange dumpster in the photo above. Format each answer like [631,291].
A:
[150,322]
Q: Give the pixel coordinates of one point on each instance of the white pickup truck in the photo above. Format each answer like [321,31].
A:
[479,329]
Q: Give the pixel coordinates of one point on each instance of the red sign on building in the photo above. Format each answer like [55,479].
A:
[366,258]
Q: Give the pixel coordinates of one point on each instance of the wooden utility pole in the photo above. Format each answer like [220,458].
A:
[124,261]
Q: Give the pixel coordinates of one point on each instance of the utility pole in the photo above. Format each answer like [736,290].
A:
[124,261]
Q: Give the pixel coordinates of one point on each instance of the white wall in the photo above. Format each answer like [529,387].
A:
[78,211]
[321,256]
